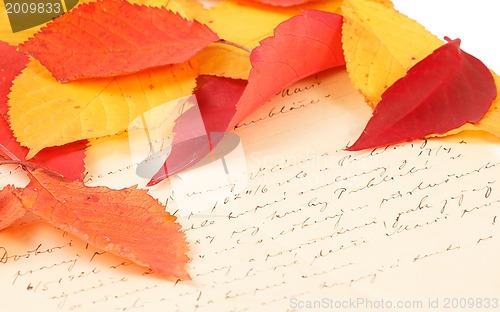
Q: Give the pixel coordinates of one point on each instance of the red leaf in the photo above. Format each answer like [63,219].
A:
[11,208]
[444,91]
[301,46]
[217,98]
[127,222]
[112,37]
[67,159]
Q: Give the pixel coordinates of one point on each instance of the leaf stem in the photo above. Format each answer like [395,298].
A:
[234,44]
[25,164]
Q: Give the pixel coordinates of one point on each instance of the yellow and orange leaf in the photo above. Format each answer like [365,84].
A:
[380,45]
[126,222]
[44,112]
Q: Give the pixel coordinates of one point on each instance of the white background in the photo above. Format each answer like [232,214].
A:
[476,23]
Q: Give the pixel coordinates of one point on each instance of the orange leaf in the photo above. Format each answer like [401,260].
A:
[301,46]
[11,208]
[127,222]
[112,37]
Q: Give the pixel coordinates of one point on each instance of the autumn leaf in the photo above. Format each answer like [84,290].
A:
[216,98]
[278,62]
[444,91]
[126,222]
[490,122]
[113,37]
[11,64]
[301,46]
[46,113]
[377,55]
[186,8]
[11,208]
[380,45]
[67,160]
[245,23]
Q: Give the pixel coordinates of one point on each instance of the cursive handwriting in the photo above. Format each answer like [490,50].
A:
[313,220]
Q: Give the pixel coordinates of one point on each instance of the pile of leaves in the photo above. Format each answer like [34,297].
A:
[88,73]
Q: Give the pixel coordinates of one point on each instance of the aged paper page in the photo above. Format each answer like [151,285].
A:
[410,227]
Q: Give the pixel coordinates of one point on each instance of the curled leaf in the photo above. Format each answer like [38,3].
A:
[301,46]
[112,37]
[126,222]
[444,91]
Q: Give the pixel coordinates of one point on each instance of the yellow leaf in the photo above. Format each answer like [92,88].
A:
[245,23]
[44,112]
[186,8]
[380,45]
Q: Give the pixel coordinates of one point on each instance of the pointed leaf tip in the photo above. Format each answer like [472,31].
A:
[442,92]
[301,46]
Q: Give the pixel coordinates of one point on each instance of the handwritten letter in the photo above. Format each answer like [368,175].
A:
[313,227]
